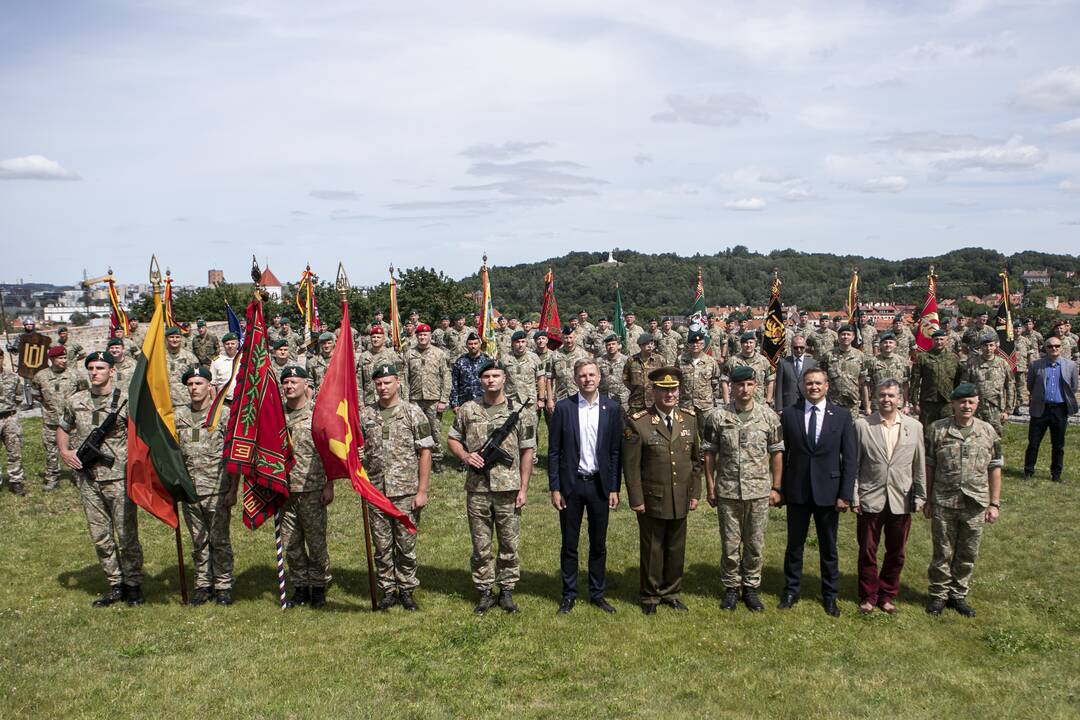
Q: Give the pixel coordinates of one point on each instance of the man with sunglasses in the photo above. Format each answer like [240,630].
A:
[1051,384]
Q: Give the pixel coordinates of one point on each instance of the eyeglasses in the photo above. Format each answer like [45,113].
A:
[1053,345]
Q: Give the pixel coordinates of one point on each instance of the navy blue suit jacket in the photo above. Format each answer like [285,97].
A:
[827,472]
[564,447]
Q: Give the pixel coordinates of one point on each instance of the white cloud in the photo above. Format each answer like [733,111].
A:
[1055,89]
[1068,127]
[727,110]
[798,194]
[334,194]
[746,204]
[1068,186]
[34,167]
[884,184]
[1012,155]
[945,152]
[509,149]
[643,159]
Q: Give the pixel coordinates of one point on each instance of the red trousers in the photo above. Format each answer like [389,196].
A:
[877,587]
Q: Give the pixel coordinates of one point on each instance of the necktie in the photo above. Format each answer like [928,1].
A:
[668,420]
[798,367]
[811,434]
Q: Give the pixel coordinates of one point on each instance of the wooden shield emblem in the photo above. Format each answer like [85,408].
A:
[33,353]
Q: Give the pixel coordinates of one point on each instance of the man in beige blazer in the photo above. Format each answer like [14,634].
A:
[890,484]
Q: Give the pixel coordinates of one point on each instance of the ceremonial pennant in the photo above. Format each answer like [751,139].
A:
[167,304]
[854,314]
[395,314]
[1003,324]
[697,316]
[549,309]
[485,327]
[619,323]
[929,323]
[774,336]
[309,310]
[118,319]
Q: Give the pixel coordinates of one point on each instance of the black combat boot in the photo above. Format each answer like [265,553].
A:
[389,600]
[731,599]
[506,601]
[300,596]
[318,598]
[407,601]
[17,488]
[751,600]
[223,597]
[134,595]
[935,606]
[201,596]
[960,606]
[114,595]
[487,601]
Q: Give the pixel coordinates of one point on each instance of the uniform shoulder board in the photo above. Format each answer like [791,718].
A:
[639,414]
[689,411]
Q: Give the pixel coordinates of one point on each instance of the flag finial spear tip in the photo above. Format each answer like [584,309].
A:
[155,271]
[342,284]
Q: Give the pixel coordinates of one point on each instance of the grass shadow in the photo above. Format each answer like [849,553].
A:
[89,580]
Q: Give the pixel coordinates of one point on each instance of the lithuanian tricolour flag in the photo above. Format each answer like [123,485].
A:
[157,476]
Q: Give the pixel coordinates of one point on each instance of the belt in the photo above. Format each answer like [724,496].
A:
[6,413]
[588,478]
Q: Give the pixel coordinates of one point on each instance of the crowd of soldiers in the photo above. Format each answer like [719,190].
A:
[721,374]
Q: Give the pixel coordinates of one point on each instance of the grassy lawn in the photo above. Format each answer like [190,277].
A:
[60,658]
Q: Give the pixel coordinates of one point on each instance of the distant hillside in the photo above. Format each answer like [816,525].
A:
[664,283]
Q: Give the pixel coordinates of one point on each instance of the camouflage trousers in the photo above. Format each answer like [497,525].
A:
[991,413]
[52,455]
[435,422]
[956,533]
[11,433]
[114,529]
[211,549]
[395,547]
[491,515]
[930,412]
[1021,388]
[303,533]
[742,540]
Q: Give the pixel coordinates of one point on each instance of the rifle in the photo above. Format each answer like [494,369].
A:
[491,451]
[90,452]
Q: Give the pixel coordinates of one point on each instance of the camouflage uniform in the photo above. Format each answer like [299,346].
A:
[74,352]
[633,332]
[295,342]
[611,377]
[502,341]
[881,368]
[1027,351]
[366,365]
[55,387]
[207,519]
[763,371]
[994,379]
[1068,347]
[564,371]
[316,369]
[668,346]
[490,498]
[700,382]
[960,495]
[717,346]
[393,439]
[743,444]
[177,363]
[11,393]
[869,338]
[303,519]
[972,337]
[205,347]
[521,374]
[934,374]
[821,342]
[847,374]
[455,343]
[126,368]
[636,380]
[905,341]
[428,382]
[110,514]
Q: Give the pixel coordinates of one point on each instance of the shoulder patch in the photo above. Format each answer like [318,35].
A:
[689,411]
[639,414]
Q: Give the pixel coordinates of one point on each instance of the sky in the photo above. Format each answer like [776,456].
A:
[429,133]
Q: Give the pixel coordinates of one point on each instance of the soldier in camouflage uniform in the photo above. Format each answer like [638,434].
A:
[668,342]
[1068,342]
[295,340]
[992,375]
[587,334]
[934,374]
[847,371]
[75,351]
[764,373]
[717,345]
[123,363]
[743,446]
[207,519]
[905,339]
[457,337]
[963,484]
[55,385]
[636,374]
[569,354]
[377,355]
[1027,352]
[633,330]
[177,360]
[503,336]
[822,340]
[869,335]
[317,364]
[11,394]
[465,374]
[545,381]
[494,496]
[700,375]
[397,457]
[438,335]
[803,329]
[522,370]
[887,365]
[972,337]
[205,345]
[279,356]
[427,380]
[110,513]
[303,519]
[611,365]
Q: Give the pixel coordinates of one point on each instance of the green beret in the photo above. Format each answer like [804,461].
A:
[694,336]
[229,336]
[490,364]
[172,331]
[886,336]
[294,371]
[940,333]
[743,373]
[980,313]
[747,336]
[644,339]
[611,338]
[200,323]
[196,371]
[383,371]
[898,318]
[846,328]
[285,321]
[518,335]
[987,338]
[98,356]
[803,313]
[61,329]
[114,341]
[964,390]
[279,344]
[326,336]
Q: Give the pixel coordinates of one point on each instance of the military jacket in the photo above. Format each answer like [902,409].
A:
[465,379]
[633,332]
[1068,347]
[521,373]
[743,450]
[611,376]
[307,474]
[455,341]
[821,342]
[82,412]
[763,371]
[178,363]
[295,343]
[438,338]
[475,420]
[700,382]
[934,374]
[392,444]
[74,352]
[564,371]
[668,346]
[994,379]
[316,368]
[847,373]
[662,468]
[502,341]
[636,379]
[895,367]
[427,375]
[366,366]
[961,464]
[126,368]
[55,387]
[905,340]
[869,338]
[205,347]
[202,449]
[11,390]
[972,337]
[717,344]
[1026,352]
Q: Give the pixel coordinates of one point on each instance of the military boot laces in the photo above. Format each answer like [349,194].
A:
[752,601]
[731,599]
[389,600]
[487,601]
[408,602]
[506,601]
[300,596]
[201,596]
[114,595]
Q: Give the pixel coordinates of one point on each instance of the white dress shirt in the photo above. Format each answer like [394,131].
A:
[820,418]
[223,373]
[588,429]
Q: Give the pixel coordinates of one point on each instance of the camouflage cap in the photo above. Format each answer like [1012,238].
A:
[666,377]
[964,390]
[98,356]
[743,373]
[196,371]
[294,371]
[385,370]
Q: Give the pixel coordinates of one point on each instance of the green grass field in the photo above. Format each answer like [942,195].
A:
[60,658]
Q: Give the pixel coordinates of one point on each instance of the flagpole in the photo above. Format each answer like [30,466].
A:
[180,557]
[343,291]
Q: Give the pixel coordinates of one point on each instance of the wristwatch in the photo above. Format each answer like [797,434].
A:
[996,505]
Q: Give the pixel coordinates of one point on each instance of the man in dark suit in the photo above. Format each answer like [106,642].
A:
[788,390]
[584,447]
[820,461]
[1051,383]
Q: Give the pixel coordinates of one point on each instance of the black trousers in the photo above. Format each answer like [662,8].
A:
[1056,419]
[588,497]
[826,520]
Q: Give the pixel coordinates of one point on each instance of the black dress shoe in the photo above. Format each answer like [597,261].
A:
[731,599]
[487,601]
[388,601]
[960,606]
[787,601]
[603,605]
[830,607]
[223,597]
[114,595]
[407,601]
[506,601]
[751,600]
[1056,478]
[318,598]
[935,606]
[565,606]
[674,604]
[648,608]
[201,597]
[1028,474]
[300,596]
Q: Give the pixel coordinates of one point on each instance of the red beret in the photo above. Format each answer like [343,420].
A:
[423,328]
[56,350]
[377,330]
